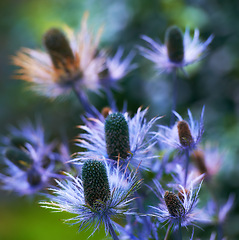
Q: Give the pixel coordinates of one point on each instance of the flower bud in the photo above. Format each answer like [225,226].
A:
[95,182]
[18,157]
[59,49]
[184,133]
[174,43]
[106,111]
[174,205]
[117,136]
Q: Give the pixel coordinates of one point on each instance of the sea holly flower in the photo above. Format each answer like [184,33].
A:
[99,195]
[182,135]
[177,207]
[119,137]
[178,50]
[71,62]
[116,68]
[30,161]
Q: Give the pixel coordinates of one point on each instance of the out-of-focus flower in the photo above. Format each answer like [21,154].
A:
[178,208]
[72,61]
[182,135]
[30,161]
[208,159]
[100,195]
[127,139]
[178,51]
[117,68]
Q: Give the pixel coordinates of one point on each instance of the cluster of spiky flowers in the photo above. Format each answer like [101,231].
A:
[104,187]
[100,194]
[31,163]
[119,137]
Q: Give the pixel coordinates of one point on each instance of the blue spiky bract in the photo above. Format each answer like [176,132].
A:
[95,182]
[174,43]
[117,136]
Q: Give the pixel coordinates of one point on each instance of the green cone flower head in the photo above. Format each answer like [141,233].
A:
[95,182]
[174,43]
[117,136]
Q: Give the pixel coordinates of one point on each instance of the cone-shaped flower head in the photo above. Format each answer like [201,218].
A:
[198,158]
[184,133]
[117,136]
[95,182]
[174,43]
[174,204]
[58,48]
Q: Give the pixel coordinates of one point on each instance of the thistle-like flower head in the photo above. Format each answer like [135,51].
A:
[119,137]
[116,68]
[70,60]
[30,161]
[177,207]
[178,51]
[182,135]
[100,194]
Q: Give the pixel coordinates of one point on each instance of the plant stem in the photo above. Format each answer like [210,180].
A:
[175,95]
[83,99]
[186,166]
[167,233]
[111,100]
[180,230]
[112,232]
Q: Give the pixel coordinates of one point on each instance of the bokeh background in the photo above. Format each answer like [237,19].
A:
[213,82]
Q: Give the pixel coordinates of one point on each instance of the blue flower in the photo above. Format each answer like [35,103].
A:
[182,135]
[140,140]
[73,195]
[30,161]
[117,68]
[192,51]
[179,207]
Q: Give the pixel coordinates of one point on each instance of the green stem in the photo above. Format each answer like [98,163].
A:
[180,230]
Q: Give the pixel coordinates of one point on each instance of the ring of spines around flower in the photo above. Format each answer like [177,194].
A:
[140,141]
[178,208]
[114,188]
[182,135]
[177,52]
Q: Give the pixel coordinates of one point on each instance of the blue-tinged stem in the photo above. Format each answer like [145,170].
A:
[180,230]
[186,166]
[111,100]
[175,95]
[112,232]
[83,99]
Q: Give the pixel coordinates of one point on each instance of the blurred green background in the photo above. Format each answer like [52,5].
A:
[214,82]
